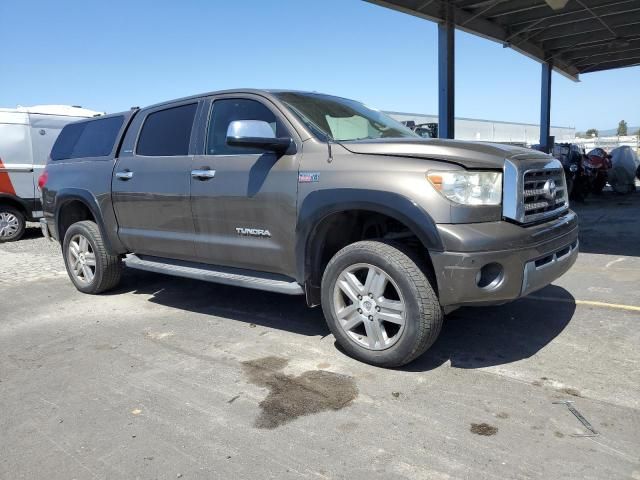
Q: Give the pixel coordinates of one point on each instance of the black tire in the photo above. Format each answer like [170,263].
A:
[423,313]
[598,185]
[570,184]
[22,223]
[108,268]
[580,189]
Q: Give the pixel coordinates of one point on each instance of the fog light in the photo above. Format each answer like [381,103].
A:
[490,275]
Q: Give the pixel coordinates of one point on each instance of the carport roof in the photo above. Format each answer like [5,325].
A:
[583,36]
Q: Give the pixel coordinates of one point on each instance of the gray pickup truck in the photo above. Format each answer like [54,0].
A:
[315,195]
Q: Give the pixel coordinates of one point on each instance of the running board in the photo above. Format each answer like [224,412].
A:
[210,273]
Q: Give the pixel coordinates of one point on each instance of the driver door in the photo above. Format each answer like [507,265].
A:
[244,209]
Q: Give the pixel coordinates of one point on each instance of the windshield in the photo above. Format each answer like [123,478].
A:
[342,119]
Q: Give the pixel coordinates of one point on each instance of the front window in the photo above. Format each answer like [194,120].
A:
[227,110]
[341,119]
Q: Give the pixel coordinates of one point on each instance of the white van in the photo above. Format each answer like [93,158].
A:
[26,137]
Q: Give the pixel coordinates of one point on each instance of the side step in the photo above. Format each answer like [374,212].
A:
[210,273]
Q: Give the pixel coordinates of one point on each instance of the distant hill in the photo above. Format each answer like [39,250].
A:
[613,131]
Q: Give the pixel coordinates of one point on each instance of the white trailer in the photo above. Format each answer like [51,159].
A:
[26,137]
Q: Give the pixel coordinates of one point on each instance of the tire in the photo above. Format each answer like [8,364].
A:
[12,224]
[106,269]
[598,185]
[581,189]
[354,321]
[570,184]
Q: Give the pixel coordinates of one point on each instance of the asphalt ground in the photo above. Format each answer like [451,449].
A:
[172,378]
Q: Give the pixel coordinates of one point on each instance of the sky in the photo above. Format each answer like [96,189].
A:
[109,55]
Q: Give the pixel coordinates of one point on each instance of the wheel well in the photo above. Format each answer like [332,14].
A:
[338,230]
[12,202]
[70,213]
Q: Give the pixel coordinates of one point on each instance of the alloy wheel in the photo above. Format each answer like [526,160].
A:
[82,259]
[369,306]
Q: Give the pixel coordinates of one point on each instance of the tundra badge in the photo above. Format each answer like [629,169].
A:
[253,232]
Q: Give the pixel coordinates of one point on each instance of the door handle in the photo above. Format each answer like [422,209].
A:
[126,175]
[203,174]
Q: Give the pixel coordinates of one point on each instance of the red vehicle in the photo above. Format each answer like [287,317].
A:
[596,169]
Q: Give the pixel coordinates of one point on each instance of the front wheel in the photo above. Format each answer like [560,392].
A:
[91,268]
[379,304]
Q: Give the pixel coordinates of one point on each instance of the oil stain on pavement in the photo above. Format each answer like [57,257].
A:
[293,396]
[483,429]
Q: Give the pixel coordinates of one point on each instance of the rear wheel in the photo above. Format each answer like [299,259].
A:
[379,304]
[91,268]
[12,224]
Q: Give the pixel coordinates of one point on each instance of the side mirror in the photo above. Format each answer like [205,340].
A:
[256,134]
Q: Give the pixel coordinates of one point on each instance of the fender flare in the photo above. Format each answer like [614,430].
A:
[64,196]
[322,203]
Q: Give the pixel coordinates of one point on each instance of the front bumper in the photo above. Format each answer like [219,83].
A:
[528,259]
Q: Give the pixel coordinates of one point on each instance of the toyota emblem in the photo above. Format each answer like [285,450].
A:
[550,190]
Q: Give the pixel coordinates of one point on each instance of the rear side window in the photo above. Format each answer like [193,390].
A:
[166,133]
[93,138]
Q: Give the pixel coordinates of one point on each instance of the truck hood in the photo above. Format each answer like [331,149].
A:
[466,154]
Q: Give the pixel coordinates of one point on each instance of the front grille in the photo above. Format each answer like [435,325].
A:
[544,192]
[533,190]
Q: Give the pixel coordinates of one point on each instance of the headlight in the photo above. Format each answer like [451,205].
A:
[468,188]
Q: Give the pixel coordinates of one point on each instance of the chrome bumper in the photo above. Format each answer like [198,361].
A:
[541,272]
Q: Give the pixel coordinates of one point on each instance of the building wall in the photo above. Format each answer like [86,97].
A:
[492,131]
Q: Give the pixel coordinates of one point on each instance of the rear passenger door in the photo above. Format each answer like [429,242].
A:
[151,182]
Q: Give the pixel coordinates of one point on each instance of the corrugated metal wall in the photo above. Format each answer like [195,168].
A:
[492,131]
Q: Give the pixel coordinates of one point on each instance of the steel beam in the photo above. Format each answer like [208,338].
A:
[446,76]
[545,106]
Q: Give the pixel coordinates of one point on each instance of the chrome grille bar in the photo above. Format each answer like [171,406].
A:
[534,189]
[544,193]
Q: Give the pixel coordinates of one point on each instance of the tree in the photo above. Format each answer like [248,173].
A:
[622,128]
[592,132]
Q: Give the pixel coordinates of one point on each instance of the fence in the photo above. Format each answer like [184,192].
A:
[609,143]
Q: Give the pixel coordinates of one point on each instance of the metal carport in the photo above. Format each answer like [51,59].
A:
[570,37]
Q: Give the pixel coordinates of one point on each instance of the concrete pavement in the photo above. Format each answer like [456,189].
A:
[172,378]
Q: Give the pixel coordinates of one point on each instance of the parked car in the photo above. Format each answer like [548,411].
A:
[624,165]
[26,137]
[571,156]
[425,130]
[313,195]
[597,164]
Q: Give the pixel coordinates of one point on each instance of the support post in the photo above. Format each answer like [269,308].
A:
[446,72]
[545,107]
